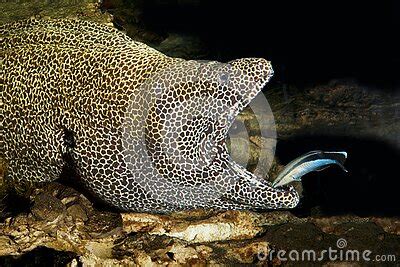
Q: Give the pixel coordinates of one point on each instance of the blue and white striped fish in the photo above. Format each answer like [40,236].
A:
[312,161]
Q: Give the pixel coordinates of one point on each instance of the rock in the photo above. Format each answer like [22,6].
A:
[47,207]
[55,225]
[104,224]
[77,212]
[340,109]
[163,250]
[128,16]
[229,225]
[328,224]
[193,237]
[84,9]
[183,46]
[343,108]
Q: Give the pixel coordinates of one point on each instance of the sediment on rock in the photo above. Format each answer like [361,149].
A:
[64,220]
[84,9]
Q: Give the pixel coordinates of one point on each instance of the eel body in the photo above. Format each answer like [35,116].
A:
[145,131]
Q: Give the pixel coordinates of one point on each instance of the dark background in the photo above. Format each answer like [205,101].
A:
[309,42]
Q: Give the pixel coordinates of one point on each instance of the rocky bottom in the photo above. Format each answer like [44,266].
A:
[62,227]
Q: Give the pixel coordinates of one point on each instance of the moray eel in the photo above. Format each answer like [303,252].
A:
[146,132]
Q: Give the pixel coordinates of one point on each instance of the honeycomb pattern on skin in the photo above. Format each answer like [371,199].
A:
[148,130]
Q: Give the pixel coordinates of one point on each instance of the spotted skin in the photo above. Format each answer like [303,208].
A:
[85,90]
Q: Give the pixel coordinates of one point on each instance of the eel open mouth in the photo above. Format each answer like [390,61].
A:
[185,137]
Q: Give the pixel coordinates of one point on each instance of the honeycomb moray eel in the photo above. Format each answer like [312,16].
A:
[146,132]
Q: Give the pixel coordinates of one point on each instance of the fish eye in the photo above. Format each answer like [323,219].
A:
[224,77]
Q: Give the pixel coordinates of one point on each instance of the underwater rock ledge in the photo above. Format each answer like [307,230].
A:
[64,220]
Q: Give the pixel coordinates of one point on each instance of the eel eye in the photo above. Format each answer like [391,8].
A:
[224,77]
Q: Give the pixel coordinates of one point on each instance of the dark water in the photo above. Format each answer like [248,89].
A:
[39,257]
[369,188]
[308,42]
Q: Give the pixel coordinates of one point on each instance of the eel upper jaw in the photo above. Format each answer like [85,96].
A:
[226,120]
[230,115]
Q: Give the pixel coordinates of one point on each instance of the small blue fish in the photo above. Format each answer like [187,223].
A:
[312,161]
